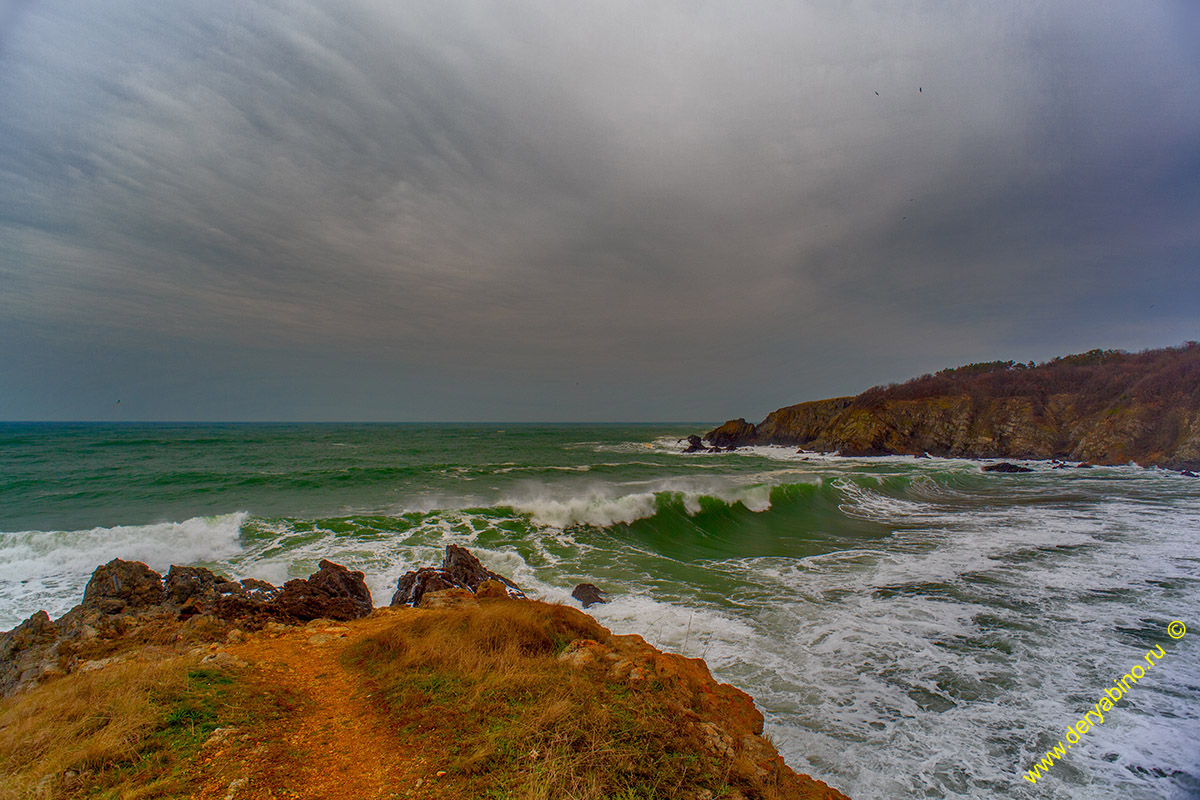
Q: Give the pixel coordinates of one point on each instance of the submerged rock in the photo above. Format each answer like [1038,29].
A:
[1004,466]
[589,594]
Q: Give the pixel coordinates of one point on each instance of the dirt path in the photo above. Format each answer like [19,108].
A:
[334,742]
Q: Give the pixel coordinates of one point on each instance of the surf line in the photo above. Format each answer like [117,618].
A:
[1120,688]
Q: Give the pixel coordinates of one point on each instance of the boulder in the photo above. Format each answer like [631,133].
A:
[203,586]
[695,445]
[467,570]
[588,594]
[196,590]
[459,569]
[490,589]
[454,597]
[333,592]
[121,586]
[413,585]
[1004,466]
[26,652]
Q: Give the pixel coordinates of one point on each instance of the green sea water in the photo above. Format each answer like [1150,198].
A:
[911,628]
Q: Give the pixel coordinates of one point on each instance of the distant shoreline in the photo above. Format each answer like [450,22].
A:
[1101,407]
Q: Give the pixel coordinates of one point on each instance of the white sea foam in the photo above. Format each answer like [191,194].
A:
[948,661]
[49,569]
[866,504]
[678,627]
[938,661]
[594,509]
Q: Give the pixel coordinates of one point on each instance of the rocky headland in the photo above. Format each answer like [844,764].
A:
[194,685]
[1100,407]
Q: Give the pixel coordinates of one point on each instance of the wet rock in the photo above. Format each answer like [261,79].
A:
[1083,465]
[459,569]
[413,585]
[588,594]
[695,445]
[1004,466]
[185,583]
[121,586]
[735,432]
[333,592]
[466,570]
[126,598]
[196,590]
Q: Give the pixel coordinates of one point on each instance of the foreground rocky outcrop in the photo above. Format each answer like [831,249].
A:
[1102,407]
[133,619]
[128,599]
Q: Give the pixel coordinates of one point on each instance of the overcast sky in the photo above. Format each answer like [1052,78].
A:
[380,210]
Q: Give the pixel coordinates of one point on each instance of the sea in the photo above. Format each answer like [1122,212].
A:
[910,628]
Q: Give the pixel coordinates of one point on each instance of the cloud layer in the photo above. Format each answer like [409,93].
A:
[538,210]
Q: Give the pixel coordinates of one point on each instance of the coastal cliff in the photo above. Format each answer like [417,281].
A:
[193,685]
[1102,407]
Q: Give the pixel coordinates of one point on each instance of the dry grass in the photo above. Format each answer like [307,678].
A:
[515,722]
[123,731]
[477,692]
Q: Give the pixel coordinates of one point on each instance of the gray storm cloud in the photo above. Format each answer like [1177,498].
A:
[790,200]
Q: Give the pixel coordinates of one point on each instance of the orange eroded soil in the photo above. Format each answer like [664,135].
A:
[334,740]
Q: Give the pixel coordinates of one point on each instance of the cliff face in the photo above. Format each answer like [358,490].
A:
[1100,407]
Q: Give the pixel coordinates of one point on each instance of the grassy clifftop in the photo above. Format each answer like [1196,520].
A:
[1103,407]
[469,695]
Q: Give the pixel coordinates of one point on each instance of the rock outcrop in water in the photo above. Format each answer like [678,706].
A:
[1004,466]
[1103,407]
[459,570]
[588,594]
